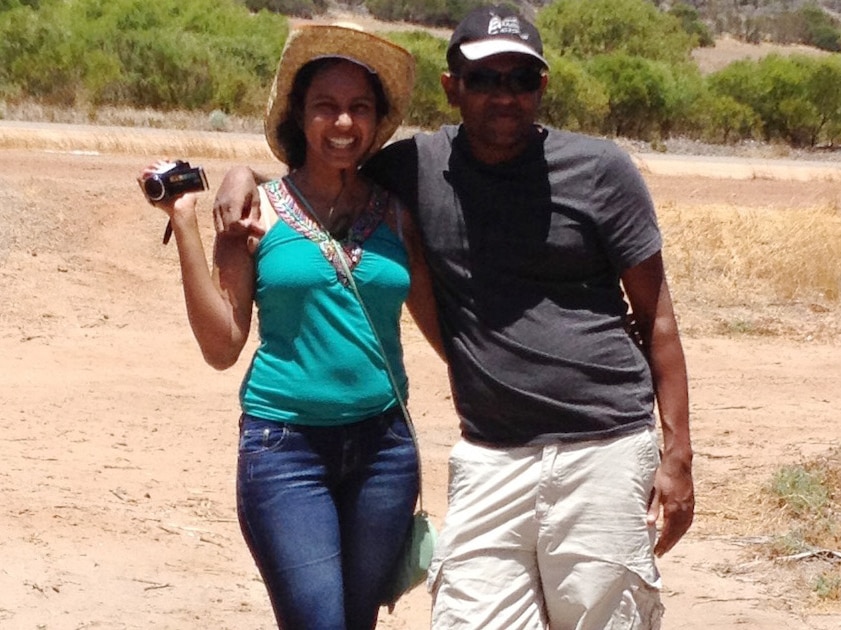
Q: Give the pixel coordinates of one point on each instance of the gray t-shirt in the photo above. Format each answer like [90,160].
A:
[525,258]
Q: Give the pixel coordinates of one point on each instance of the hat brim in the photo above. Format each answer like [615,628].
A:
[483,48]
[393,64]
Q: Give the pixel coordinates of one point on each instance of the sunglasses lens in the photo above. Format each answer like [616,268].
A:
[518,81]
[482,80]
[523,80]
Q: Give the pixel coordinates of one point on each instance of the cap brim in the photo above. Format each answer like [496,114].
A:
[394,66]
[473,51]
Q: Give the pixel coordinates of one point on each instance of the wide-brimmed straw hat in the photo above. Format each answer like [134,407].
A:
[394,66]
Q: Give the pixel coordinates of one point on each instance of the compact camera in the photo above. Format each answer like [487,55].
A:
[173,179]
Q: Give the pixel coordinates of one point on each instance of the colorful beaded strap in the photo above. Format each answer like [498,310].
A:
[285,198]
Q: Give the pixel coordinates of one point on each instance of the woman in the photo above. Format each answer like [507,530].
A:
[327,473]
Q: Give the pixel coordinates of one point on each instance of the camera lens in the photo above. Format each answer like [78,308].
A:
[154,188]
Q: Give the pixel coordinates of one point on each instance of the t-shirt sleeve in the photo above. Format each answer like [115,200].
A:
[625,211]
[395,168]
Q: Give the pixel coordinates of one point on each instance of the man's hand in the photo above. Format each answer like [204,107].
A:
[236,209]
[673,493]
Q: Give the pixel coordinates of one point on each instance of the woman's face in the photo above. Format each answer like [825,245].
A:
[340,116]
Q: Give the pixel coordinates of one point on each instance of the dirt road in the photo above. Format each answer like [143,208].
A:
[118,443]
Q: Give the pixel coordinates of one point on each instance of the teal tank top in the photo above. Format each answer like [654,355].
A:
[318,362]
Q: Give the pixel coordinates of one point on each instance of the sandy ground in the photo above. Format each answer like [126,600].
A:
[118,443]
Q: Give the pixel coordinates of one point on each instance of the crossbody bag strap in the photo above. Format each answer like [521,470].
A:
[355,289]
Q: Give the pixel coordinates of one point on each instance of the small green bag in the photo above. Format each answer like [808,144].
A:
[413,563]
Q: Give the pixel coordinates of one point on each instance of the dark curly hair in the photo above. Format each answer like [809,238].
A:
[290,135]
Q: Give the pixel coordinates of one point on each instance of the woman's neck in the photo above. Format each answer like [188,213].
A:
[335,199]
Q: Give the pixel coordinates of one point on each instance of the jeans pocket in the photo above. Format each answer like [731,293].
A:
[397,427]
[261,436]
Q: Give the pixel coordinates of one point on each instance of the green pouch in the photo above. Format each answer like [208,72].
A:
[413,563]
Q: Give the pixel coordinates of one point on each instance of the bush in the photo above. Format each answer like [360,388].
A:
[789,94]
[691,22]
[202,54]
[299,8]
[641,95]
[573,99]
[429,107]
[428,12]
[586,28]
[722,119]
[821,30]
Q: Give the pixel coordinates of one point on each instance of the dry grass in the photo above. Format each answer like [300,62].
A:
[141,142]
[128,117]
[802,509]
[728,49]
[790,529]
[760,272]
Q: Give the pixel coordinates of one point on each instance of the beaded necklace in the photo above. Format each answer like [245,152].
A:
[285,197]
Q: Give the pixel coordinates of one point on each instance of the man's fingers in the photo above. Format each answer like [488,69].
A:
[653,507]
[675,524]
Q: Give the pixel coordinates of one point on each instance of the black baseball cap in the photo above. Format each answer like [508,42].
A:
[493,30]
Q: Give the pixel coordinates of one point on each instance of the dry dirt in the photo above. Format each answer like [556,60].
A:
[118,443]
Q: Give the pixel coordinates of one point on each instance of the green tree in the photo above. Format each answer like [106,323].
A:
[641,95]
[428,108]
[724,119]
[299,8]
[821,73]
[821,30]
[204,54]
[586,28]
[6,5]
[32,55]
[429,12]
[574,99]
[691,22]
[789,94]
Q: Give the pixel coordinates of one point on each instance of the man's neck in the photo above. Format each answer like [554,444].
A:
[491,154]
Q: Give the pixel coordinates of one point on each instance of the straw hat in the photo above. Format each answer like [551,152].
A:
[394,66]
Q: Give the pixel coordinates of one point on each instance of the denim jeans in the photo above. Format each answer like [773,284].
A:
[324,511]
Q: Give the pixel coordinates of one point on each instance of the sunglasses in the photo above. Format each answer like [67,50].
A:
[517,81]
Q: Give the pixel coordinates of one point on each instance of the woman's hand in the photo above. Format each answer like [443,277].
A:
[172,206]
[183,205]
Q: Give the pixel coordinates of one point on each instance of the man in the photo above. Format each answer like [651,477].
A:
[535,238]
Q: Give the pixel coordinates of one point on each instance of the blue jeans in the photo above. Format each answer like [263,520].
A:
[324,511]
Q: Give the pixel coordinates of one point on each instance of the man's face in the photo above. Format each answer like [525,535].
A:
[498,98]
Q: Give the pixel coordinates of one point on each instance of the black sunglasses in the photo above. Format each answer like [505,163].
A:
[517,81]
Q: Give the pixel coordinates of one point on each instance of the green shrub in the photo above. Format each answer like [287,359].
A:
[299,8]
[641,94]
[586,28]
[820,29]
[722,119]
[429,108]
[789,94]
[574,99]
[691,22]
[428,12]
[202,54]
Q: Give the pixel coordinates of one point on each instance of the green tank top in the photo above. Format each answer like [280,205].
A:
[318,362]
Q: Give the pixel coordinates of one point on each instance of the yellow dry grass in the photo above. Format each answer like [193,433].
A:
[729,255]
[727,49]
[136,141]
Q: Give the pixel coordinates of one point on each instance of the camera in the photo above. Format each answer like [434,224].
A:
[173,179]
